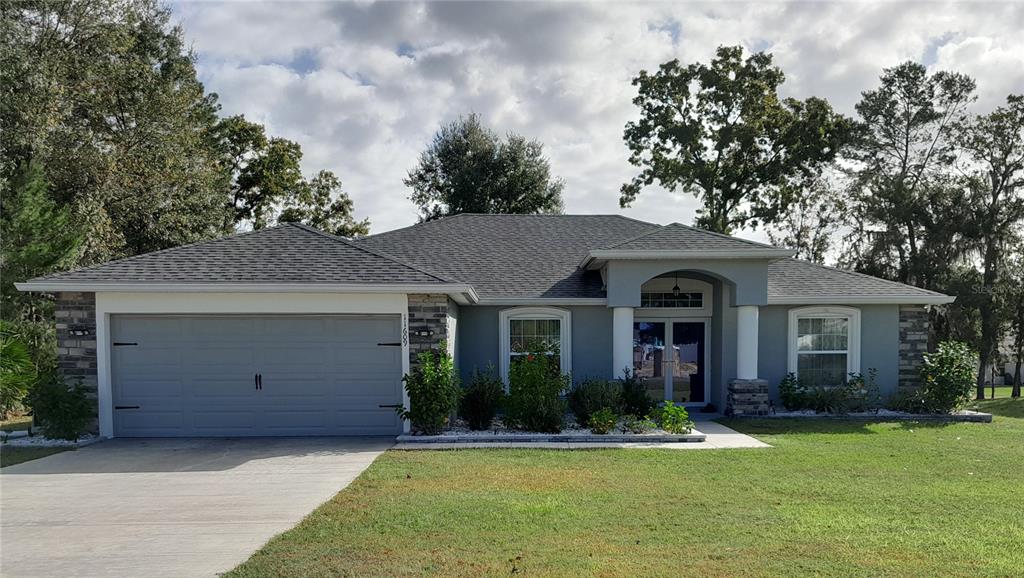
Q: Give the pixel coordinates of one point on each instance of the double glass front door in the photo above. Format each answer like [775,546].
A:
[670,357]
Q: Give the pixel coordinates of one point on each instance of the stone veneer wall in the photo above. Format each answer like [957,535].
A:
[914,329]
[76,340]
[746,397]
[427,313]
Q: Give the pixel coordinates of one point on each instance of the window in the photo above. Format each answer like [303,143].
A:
[523,327]
[824,344]
[683,300]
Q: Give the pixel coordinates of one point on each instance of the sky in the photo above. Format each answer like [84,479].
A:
[364,86]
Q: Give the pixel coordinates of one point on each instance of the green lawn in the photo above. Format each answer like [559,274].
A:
[10,455]
[831,499]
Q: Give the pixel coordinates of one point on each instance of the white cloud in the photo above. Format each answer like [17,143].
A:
[363,86]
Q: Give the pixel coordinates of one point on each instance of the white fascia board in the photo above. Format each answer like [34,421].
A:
[461,293]
[863,300]
[541,301]
[666,254]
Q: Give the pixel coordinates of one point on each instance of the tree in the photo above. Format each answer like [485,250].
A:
[904,205]
[313,206]
[721,132]
[1016,313]
[811,221]
[994,173]
[37,237]
[105,96]
[468,169]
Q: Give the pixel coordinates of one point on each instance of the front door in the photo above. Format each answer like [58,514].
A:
[671,357]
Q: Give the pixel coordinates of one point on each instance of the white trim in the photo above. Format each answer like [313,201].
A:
[565,327]
[458,291]
[542,301]
[108,303]
[657,254]
[863,300]
[852,340]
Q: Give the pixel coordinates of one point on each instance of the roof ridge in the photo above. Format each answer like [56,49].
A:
[689,228]
[861,275]
[359,247]
[635,238]
[160,251]
[442,219]
[723,235]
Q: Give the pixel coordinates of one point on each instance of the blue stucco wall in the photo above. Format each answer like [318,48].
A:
[591,340]
[879,346]
[477,342]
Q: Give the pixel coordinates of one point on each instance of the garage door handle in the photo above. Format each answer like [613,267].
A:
[393,405]
[127,407]
[257,380]
[390,344]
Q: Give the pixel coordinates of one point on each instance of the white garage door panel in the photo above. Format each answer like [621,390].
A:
[195,375]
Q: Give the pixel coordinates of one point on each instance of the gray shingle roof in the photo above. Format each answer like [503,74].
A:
[677,236]
[511,255]
[793,278]
[288,253]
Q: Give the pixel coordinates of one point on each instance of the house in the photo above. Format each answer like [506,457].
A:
[291,331]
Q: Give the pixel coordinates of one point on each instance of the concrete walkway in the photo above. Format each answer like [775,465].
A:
[718,437]
[166,507]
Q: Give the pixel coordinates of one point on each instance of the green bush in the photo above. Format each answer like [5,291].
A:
[637,425]
[947,377]
[482,399]
[61,411]
[17,372]
[433,389]
[673,418]
[863,391]
[535,384]
[591,395]
[792,393]
[602,421]
[908,400]
[634,399]
[828,399]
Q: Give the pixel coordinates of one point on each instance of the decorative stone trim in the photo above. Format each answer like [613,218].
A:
[76,340]
[914,329]
[428,323]
[747,397]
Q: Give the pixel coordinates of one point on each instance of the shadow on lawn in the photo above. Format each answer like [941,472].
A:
[1004,407]
[808,425]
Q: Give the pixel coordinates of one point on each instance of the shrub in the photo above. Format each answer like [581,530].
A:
[947,377]
[792,393]
[827,399]
[482,399]
[634,399]
[17,372]
[908,400]
[591,395]
[61,411]
[637,425]
[602,421]
[863,391]
[433,389]
[535,384]
[673,418]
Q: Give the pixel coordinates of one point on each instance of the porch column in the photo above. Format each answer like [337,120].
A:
[746,341]
[622,340]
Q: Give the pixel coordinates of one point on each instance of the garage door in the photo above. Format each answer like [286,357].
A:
[272,375]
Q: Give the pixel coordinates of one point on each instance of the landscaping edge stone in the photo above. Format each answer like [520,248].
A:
[695,437]
[967,416]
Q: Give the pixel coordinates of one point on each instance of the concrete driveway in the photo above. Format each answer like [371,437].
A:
[194,507]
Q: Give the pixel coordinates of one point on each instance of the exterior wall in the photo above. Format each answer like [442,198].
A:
[591,340]
[913,344]
[76,341]
[427,313]
[880,343]
[748,277]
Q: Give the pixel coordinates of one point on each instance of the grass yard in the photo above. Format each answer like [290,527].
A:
[833,499]
[10,455]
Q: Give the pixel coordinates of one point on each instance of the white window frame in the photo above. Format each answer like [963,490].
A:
[505,317]
[851,314]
